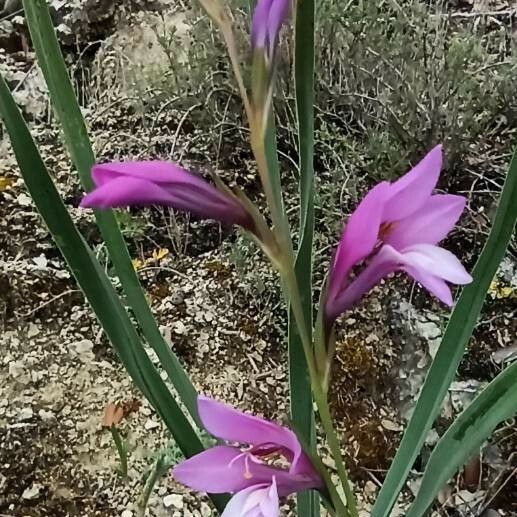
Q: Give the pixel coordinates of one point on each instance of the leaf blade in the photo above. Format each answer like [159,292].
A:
[495,404]
[300,387]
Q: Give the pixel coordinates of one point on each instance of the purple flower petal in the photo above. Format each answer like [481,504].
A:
[259,23]
[358,238]
[163,183]
[429,224]
[152,170]
[268,18]
[126,191]
[276,18]
[432,283]
[382,264]
[226,469]
[429,265]
[412,190]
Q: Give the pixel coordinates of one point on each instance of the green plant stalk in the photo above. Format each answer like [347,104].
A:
[121,449]
[78,143]
[452,346]
[290,281]
[333,442]
[160,467]
[321,401]
[93,281]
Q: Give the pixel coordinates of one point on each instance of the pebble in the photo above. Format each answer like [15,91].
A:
[32,492]
[151,424]
[206,510]
[45,415]
[25,413]
[126,513]
[175,500]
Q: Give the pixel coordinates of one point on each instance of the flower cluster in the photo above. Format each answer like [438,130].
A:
[397,227]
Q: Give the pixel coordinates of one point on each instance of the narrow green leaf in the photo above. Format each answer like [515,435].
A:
[78,143]
[495,404]
[452,347]
[93,281]
[301,396]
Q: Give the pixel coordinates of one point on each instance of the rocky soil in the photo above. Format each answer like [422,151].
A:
[218,306]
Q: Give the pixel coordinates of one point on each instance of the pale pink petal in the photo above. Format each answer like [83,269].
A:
[358,238]
[270,505]
[432,283]
[235,506]
[429,224]
[436,261]
[254,501]
[412,190]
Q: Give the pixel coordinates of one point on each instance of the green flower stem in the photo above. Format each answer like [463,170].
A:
[121,449]
[322,403]
[333,443]
[160,467]
[288,273]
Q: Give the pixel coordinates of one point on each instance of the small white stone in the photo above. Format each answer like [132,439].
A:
[83,349]
[205,510]
[25,413]
[175,500]
[32,492]
[41,261]
[24,200]
[45,415]
[151,424]
[179,327]
[126,513]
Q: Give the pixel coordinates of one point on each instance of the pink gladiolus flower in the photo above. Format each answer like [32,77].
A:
[255,501]
[397,227]
[249,473]
[163,183]
[268,18]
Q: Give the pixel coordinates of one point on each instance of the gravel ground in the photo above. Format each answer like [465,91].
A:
[218,306]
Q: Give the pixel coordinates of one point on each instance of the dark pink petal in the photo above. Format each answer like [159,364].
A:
[152,170]
[359,237]
[411,191]
[163,183]
[226,423]
[125,192]
[226,469]
[382,264]
[429,224]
